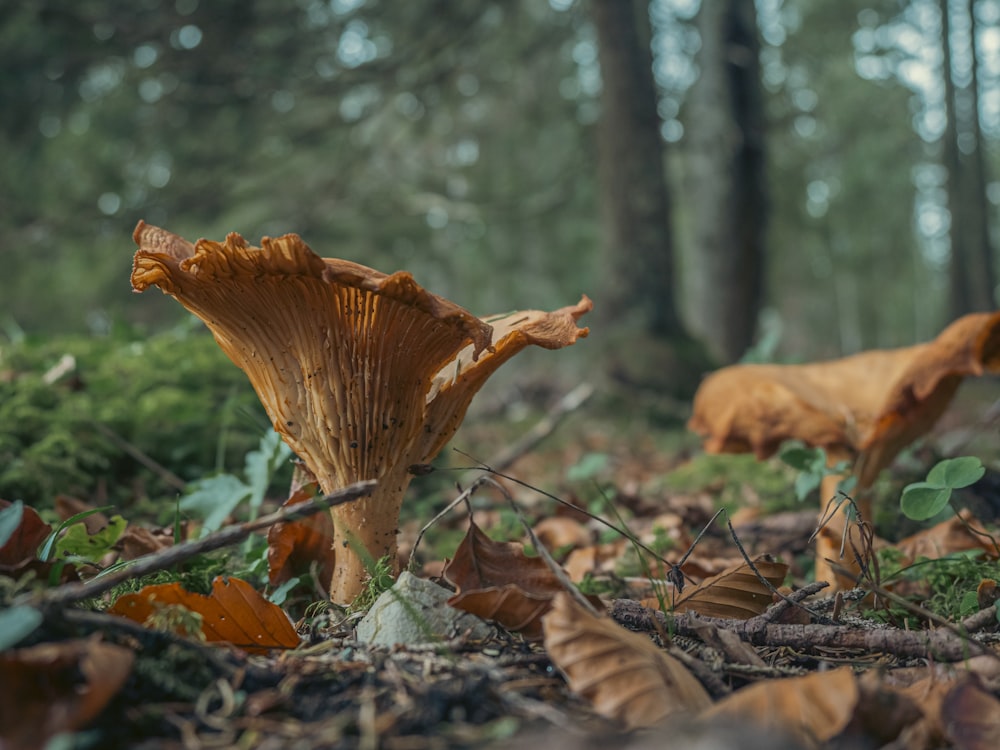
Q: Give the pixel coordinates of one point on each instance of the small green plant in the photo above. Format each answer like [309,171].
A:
[948,583]
[924,500]
[216,498]
[813,467]
[380,580]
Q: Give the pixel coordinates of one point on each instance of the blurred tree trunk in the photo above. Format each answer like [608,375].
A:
[729,194]
[983,267]
[971,280]
[638,298]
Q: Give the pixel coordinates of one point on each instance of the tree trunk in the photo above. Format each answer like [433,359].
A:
[971,280]
[727,178]
[981,262]
[644,343]
[639,254]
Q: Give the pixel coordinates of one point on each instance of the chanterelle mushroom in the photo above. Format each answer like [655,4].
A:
[363,374]
[864,408]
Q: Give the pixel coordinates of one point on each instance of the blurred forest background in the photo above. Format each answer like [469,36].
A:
[813,175]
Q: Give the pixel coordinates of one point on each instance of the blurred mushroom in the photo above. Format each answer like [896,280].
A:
[865,408]
[364,374]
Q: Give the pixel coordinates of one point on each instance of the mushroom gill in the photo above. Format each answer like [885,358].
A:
[362,373]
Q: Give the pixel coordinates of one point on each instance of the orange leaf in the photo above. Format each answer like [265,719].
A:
[870,404]
[234,613]
[57,687]
[497,581]
[624,675]
[815,708]
[293,546]
[734,594]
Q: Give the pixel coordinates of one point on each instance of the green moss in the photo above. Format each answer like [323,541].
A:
[173,398]
[732,478]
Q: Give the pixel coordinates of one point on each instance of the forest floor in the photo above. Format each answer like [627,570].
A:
[908,659]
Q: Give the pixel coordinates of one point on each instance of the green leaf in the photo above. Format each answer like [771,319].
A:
[77,542]
[49,545]
[923,500]
[10,520]
[847,485]
[956,473]
[806,483]
[969,604]
[261,464]
[588,467]
[17,623]
[811,460]
[214,500]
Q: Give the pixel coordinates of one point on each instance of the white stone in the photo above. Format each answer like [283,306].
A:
[415,611]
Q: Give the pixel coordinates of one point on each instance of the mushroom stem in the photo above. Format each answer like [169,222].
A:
[363,533]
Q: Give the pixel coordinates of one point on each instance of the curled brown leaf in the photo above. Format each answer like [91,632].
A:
[624,675]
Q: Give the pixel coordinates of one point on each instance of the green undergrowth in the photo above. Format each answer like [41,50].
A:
[736,479]
[172,398]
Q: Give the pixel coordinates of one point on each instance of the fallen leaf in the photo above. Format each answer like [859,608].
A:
[57,687]
[497,581]
[957,534]
[293,546]
[971,717]
[20,553]
[68,506]
[560,532]
[815,708]
[624,675]
[234,612]
[22,546]
[137,541]
[734,594]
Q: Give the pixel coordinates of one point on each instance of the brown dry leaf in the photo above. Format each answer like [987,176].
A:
[20,553]
[57,687]
[957,534]
[624,675]
[873,403]
[293,546]
[815,708]
[734,594]
[22,547]
[559,532]
[971,717]
[68,506]
[137,541]
[234,612]
[497,581]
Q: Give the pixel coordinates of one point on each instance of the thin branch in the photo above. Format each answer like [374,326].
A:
[124,445]
[544,427]
[166,558]
[541,430]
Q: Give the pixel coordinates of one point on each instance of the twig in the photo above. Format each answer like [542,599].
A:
[541,430]
[981,619]
[122,444]
[544,553]
[942,645]
[544,427]
[76,591]
[462,497]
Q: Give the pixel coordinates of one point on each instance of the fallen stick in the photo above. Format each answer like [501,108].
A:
[942,645]
[77,591]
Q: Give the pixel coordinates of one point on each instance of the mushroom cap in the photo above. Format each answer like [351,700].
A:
[870,404]
[361,372]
